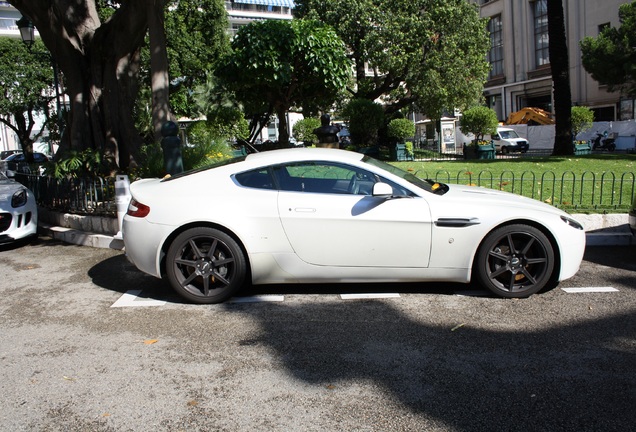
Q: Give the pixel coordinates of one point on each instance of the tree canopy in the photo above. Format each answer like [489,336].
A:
[26,79]
[611,56]
[365,118]
[479,121]
[97,44]
[582,119]
[275,65]
[430,53]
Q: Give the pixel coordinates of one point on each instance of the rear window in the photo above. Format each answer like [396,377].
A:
[257,179]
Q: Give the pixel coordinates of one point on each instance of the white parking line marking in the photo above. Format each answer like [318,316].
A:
[258,299]
[589,289]
[130,299]
[368,296]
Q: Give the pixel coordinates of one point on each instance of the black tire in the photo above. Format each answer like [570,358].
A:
[611,147]
[504,150]
[205,265]
[515,261]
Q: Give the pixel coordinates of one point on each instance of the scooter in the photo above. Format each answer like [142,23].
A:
[603,142]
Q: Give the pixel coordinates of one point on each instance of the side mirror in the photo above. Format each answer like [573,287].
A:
[382,189]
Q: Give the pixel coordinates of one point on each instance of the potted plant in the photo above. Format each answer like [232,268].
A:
[582,119]
[479,121]
[399,129]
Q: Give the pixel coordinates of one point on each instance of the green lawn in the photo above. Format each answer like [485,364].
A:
[590,183]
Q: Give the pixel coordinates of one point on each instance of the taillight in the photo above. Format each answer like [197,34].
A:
[137,209]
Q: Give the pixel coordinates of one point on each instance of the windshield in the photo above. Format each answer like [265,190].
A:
[427,185]
[508,134]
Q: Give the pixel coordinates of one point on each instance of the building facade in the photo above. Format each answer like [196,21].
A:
[520,65]
[242,12]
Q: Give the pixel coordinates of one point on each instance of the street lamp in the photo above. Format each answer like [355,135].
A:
[27,33]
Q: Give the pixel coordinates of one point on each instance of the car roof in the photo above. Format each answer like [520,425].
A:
[302,154]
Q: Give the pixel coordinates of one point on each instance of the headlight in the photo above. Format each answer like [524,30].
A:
[572,223]
[19,198]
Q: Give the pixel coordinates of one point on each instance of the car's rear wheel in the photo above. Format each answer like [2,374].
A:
[205,265]
[515,261]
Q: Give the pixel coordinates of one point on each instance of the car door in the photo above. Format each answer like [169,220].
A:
[331,219]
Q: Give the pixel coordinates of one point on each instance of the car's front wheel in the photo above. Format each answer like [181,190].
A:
[205,265]
[515,261]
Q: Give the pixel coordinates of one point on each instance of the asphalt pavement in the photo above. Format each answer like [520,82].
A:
[89,343]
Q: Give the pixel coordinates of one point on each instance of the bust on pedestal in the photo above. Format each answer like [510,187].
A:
[327,134]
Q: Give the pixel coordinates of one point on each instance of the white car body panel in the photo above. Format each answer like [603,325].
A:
[24,219]
[354,230]
[309,237]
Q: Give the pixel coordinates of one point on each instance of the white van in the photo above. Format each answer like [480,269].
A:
[507,140]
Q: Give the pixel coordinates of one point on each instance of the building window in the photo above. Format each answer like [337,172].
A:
[495,55]
[603,27]
[541,39]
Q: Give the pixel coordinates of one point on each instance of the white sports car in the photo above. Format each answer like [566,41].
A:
[324,215]
[18,211]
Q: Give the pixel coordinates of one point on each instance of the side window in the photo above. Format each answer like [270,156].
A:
[258,179]
[324,177]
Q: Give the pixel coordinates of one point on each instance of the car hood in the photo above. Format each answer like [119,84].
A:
[8,188]
[490,197]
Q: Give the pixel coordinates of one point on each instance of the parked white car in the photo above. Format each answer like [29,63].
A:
[309,215]
[18,211]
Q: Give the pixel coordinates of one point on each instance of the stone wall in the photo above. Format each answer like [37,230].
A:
[85,223]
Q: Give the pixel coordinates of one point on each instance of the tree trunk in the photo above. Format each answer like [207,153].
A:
[160,84]
[561,79]
[283,133]
[100,63]
[23,128]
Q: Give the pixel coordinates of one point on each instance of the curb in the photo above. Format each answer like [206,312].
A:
[80,238]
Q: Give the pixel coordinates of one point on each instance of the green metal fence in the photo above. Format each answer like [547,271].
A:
[586,192]
[94,196]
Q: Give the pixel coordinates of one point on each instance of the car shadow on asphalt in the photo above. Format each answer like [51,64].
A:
[619,257]
[119,275]
[479,376]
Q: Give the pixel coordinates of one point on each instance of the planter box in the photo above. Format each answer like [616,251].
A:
[400,153]
[582,149]
[480,152]
[486,151]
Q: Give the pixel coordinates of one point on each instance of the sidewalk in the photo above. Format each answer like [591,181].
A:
[601,230]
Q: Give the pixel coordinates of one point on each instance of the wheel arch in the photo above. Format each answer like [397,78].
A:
[557,250]
[168,241]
